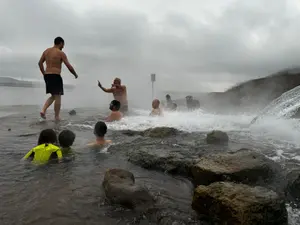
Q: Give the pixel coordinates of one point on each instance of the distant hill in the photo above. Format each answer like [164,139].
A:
[253,94]
[249,96]
[13,82]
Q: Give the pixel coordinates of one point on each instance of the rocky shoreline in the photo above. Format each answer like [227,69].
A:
[240,186]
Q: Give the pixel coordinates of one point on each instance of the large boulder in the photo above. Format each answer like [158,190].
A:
[245,166]
[120,188]
[239,204]
[217,137]
[174,160]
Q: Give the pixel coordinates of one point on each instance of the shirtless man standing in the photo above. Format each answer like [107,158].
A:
[54,57]
[120,93]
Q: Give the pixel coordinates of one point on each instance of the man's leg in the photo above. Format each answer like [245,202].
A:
[47,104]
[57,105]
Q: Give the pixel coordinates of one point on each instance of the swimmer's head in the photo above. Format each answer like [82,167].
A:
[66,138]
[47,136]
[155,104]
[115,105]
[117,82]
[59,42]
[100,129]
[168,97]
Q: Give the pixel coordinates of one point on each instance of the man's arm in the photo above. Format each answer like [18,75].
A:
[41,63]
[107,90]
[68,65]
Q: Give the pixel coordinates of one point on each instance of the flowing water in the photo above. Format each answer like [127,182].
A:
[71,193]
[284,106]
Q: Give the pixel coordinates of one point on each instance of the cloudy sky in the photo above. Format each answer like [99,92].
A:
[196,45]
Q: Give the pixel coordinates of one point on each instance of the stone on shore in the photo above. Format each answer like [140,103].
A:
[120,188]
[239,204]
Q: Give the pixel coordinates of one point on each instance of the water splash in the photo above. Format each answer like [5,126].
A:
[284,106]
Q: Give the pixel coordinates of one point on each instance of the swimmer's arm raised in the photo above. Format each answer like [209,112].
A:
[41,63]
[68,64]
[107,90]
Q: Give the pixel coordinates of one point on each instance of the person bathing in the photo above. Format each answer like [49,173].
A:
[115,114]
[119,92]
[46,149]
[156,110]
[100,130]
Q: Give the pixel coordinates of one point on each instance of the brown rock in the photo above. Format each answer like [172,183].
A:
[238,204]
[120,188]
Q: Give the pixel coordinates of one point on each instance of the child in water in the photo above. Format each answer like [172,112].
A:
[100,130]
[46,149]
[66,139]
[156,110]
[115,114]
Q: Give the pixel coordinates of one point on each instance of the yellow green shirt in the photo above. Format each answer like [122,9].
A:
[41,154]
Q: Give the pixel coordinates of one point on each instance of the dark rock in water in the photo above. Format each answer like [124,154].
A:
[293,188]
[120,188]
[8,129]
[72,112]
[131,132]
[156,132]
[160,132]
[245,166]
[217,137]
[171,162]
[239,204]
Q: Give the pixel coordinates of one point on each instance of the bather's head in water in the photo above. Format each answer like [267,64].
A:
[115,114]
[100,130]
[47,136]
[114,105]
[156,111]
[66,139]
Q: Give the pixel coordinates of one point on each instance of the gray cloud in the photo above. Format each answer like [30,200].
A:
[184,51]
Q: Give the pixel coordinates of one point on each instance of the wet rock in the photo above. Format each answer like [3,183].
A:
[130,132]
[217,137]
[160,132]
[120,188]
[174,162]
[230,203]
[293,188]
[9,129]
[245,166]
[72,112]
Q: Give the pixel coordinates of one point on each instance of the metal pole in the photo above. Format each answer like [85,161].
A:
[153,76]
[152,90]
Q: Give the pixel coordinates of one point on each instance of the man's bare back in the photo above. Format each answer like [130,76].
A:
[53,60]
[54,57]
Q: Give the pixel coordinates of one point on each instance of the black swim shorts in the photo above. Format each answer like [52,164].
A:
[54,84]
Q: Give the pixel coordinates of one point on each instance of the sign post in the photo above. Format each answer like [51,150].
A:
[153,77]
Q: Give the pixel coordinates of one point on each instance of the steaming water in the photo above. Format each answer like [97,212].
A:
[72,194]
[284,106]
